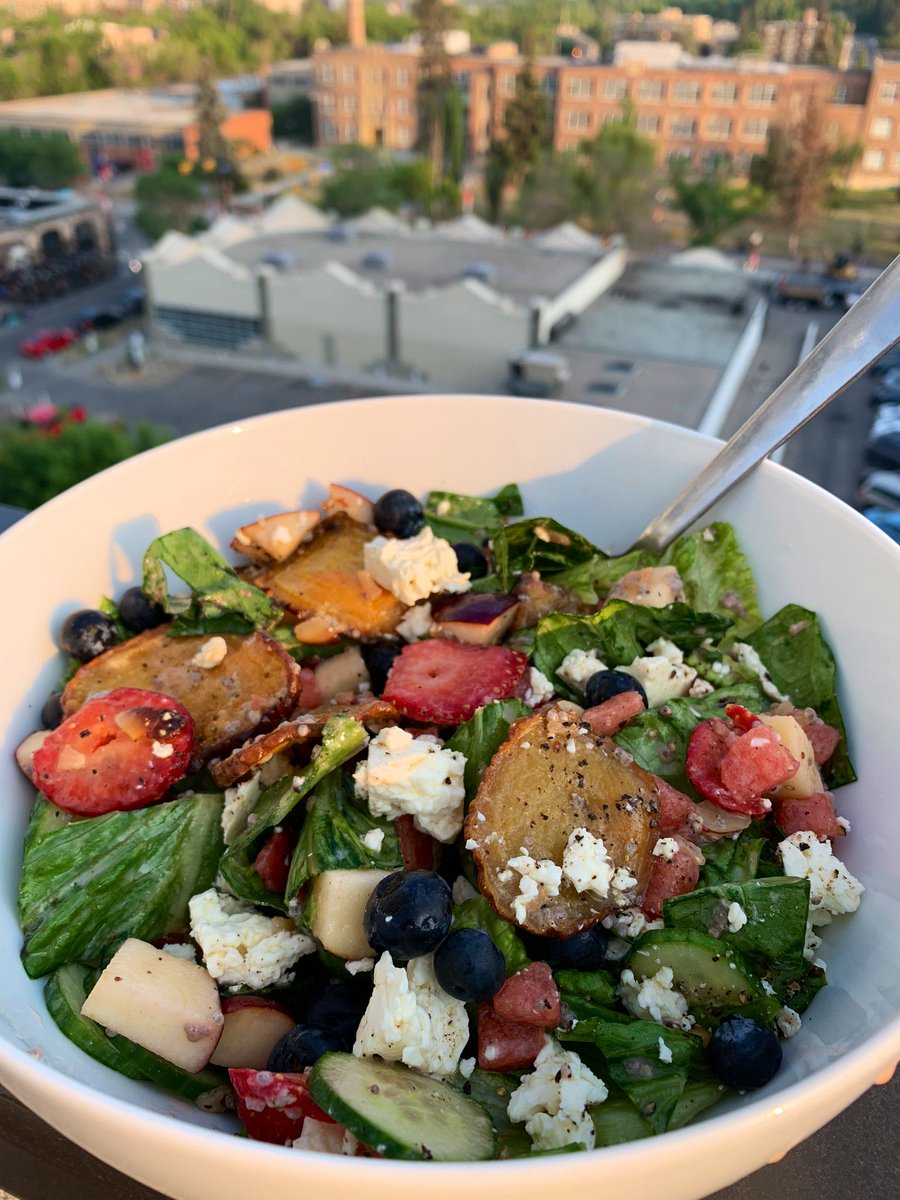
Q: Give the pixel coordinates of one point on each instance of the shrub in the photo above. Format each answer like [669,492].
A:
[51,449]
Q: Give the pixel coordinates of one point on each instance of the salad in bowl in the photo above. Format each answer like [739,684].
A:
[429,830]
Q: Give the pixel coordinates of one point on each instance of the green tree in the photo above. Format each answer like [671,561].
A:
[166,200]
[455,134]
[525,126]
[363,180]
[713,202]
[801,167]
[211,114]
[293,120]
[435,83]
[495,173]
[45,162]
[613,179]
[548,195]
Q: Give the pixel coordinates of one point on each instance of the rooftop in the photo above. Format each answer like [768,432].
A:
[28,206]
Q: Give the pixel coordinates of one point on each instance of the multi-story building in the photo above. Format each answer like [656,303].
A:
[289,79]
[694,109]
[795,41]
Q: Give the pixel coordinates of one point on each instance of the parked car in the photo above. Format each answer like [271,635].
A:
[11,318]
[880,489]
[887,362]
[483,271]
[99,317]
[281,260]
[887,520]
[377,260]
[883,451]
[887,420]
[133,301]
[47,341]
[811,291]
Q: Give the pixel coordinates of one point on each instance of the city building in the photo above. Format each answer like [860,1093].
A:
[51,242]
[135,128]
[795,41]
[289,79]
[694,31]
[696,109]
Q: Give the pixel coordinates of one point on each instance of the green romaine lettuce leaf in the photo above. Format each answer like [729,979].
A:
[479,738]
[331,838]
[716,575]
[538,544]
[619,633]
[219,601]
[476,913]
[342,739]
[658,738]
[91,883]
[732,860]
[802,666]
[590,995]
[492,1091]
[461,518]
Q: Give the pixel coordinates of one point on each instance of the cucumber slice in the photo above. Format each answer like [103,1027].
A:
[166,1074]
[711,976]
[399,1112]
[64,993]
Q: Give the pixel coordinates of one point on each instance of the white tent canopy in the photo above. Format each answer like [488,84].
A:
[567,236]
[290,215]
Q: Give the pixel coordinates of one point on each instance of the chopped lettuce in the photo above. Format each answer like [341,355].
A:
[732,860]
[333,832]
[588,994]
[476,913]
[492,1091]
[471,518]
[219,601]
[89,884]
[619,633]
[802,666]
[591,580]
[479,738]
[658,738]
[716,575]
[538,544]
[342,739]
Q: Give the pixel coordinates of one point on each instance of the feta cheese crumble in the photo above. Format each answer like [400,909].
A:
[655,999]
[665,1054]
[629,923]
[414,568]
[665,848]
[240,946]
[578,666]
[662,672]
[211,653]
[736,917]
[748,657]
[539,688]
[373,839]
[553,1100]
[411,1019]
[588,867]
[788,1021]
[416,623]
[415,775]
[833,890]
[539,878]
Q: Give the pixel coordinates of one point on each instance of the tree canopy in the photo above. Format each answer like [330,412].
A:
[51,161]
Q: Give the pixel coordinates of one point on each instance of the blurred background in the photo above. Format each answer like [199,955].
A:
[213,209]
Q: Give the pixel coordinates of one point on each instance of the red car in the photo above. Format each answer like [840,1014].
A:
[47,341]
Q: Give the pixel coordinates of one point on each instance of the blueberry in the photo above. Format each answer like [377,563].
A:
[399,512]
[337,1008]
[584,952]
[606,684]
[408,914]
[379,658]
[51,711]
[87,633]
[469,557]
[138,613]
[469,966]
[743,1053]
[302,1046]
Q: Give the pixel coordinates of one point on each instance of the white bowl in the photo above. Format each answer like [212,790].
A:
[605,474]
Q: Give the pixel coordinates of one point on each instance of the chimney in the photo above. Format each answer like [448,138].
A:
[356,23]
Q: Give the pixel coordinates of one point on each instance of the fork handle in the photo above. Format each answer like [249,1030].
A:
[869,329]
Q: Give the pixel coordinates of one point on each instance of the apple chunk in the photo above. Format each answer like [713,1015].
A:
[338,902]
[163,1003]
[253,1024]
[479,619]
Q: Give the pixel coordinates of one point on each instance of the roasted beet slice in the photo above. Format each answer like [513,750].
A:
[530,997]
[446,682]
[506,1045]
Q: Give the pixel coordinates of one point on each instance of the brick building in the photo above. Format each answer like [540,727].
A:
[694,109]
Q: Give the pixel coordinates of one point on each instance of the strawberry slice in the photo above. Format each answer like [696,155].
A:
[273,1105]
[446,682]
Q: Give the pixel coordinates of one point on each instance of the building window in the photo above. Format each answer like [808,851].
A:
[327,101]
[402,105]
[548,85]
[761,94]
[718,127]
[461,79]
[578,119]
[329,131]
[580,87]
[897,162]
[840,94]
[402,76]
[403,137]
[723,93]
[348,74]
[614,89]
[686,93]
[326,74]
[683,127]
[376,108]
[350,133]
[890,91]
[508,84]
[207,328]
[678,156]
[710,159]
[349,104]
[756,130]
[873,160]
[648,123]
[881,127]
[650,89]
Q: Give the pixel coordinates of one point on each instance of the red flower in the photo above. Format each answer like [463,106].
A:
[79,413]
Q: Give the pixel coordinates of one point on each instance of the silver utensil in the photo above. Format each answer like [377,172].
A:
[869,329]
